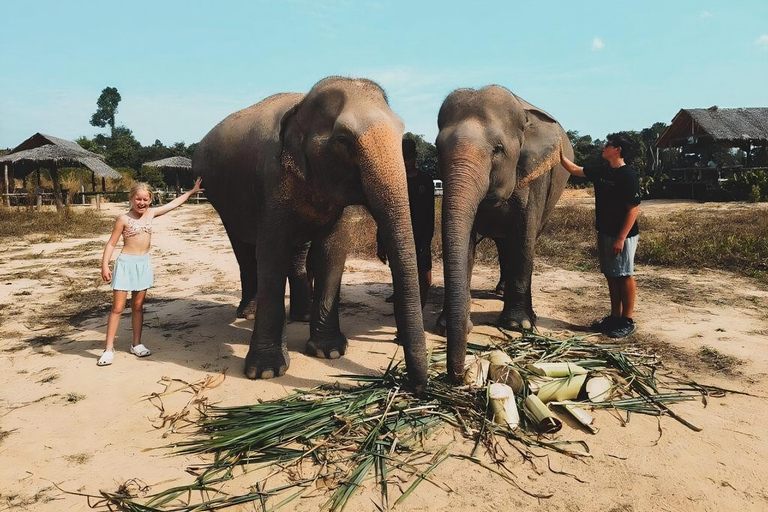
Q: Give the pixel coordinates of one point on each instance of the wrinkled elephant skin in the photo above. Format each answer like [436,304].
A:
[280,174]
[499,159]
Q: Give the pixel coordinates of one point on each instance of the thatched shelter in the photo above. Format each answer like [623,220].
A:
[179,164]
[743,128]
[50,152]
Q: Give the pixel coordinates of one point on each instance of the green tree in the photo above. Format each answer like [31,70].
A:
[106,108]
[426,154]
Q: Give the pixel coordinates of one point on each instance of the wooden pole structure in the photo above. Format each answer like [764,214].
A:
[56,188]
[7,188]
[178,184]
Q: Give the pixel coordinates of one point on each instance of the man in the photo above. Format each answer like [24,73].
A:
[421,198]
[617,200]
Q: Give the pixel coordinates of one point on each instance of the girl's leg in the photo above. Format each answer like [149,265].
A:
[118,305]
[137,315]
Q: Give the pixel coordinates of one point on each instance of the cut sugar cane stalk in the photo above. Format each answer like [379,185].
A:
[476,373]
[556,369]
[503,405]
[500,371]
[599,389]
[541,416]
[580,415]
[565,388]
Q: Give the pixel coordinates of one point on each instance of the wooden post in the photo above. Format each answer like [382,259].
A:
[103,184]
[56,188]
[39,200]
[7,189]
[178,185]
[93,181]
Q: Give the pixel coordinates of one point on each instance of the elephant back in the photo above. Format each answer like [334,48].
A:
[239,157]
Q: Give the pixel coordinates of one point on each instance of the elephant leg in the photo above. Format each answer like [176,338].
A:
[503,260]
[518,311]
[299,285]
[245,254]
[328,256]
[268,354]
[440,326]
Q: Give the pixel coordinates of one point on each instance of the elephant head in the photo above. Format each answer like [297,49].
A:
[344,143]
[491,145]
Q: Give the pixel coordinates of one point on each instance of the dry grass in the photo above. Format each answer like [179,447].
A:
[718,361]
[53,226]
[736,241]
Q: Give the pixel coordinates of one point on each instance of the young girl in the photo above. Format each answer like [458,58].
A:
[133,270]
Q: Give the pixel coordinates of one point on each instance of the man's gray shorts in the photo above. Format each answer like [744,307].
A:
[616,265]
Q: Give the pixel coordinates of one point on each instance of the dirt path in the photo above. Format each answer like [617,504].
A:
[65,420]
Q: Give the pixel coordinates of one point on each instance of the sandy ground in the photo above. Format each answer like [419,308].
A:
[64,420]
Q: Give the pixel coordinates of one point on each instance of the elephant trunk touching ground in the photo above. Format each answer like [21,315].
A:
[463,188]
[392,214]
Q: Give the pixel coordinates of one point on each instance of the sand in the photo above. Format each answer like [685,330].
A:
[64,420]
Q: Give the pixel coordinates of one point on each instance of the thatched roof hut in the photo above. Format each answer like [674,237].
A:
[42,150]
[734,127]
[175,163]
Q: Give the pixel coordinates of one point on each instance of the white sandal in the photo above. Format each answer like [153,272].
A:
[140,350]
[106,358]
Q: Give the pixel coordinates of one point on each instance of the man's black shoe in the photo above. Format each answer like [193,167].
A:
[623,329]
[605,325]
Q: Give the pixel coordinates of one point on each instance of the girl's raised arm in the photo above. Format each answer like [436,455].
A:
[162,210]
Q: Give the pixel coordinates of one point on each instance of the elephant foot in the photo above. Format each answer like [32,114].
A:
[267,364]
[247,310]
[442,330]
[328,347]
[517,320]
[500,287]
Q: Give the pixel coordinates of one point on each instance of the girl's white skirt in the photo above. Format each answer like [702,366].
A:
[133,273]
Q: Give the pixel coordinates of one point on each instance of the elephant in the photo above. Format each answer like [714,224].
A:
[499,157]
[280,174]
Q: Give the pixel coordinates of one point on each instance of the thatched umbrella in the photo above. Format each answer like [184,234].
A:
[175,163]
[42,150]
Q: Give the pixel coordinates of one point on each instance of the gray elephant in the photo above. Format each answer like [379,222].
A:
[499,158]
[280,174]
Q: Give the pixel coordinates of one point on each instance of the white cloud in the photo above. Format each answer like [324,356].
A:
[705,15]
[597,44]
[762,41]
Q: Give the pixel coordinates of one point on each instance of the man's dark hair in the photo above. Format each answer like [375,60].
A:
[409,149]
[619,140]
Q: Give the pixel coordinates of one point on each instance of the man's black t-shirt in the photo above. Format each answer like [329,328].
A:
[421,198]
[614,190]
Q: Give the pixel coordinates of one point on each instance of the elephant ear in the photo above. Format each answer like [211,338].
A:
[542,144]
[292,155]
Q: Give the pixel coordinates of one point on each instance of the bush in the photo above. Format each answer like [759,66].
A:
[748,185]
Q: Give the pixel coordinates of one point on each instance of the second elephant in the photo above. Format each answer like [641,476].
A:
[499,157]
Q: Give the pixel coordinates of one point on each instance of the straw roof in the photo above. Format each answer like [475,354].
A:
[174,162]
[734,126]
[41,150]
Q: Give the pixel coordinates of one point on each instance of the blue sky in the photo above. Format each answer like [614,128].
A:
[181,67]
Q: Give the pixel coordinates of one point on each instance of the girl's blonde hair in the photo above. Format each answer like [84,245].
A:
[139,186]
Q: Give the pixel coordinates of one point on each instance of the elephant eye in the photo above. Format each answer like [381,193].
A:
[345,142]
[498,148]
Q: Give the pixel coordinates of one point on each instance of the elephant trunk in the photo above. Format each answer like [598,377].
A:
[465,184]
[384,185]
